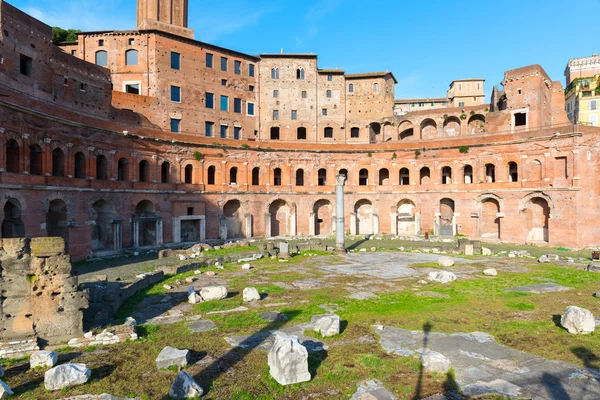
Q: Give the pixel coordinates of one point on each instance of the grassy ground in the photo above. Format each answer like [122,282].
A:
[523,321]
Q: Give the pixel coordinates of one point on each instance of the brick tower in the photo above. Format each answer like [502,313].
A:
[165,15]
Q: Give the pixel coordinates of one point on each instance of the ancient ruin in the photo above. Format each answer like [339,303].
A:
[41,303]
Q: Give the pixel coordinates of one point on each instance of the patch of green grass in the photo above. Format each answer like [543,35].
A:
[231,250]
[521,306]
[370,361]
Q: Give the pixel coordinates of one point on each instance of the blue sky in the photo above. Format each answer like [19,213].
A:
[426,44]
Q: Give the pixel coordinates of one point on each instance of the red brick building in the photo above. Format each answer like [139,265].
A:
[175,140]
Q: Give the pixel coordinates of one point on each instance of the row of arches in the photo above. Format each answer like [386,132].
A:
[384,177]
[106,222]
[428,128]
[80,165]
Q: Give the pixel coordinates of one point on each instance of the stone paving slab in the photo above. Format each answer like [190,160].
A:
[372,390]
[384,265]
[539,288]
[483,366]
[202,326]
[265,340]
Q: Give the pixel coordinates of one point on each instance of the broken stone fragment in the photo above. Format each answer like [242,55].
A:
[43,359]
[445,261]
[185,387]
[433,361]
[288,360]
[5,390]
[171,356]
[213,293]
[490,272]
[66,375]
[327,325]
[250,294]
[441,276]
[578,321]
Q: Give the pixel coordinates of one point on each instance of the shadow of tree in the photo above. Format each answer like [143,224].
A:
[357,244]
[554,387]
[427,327]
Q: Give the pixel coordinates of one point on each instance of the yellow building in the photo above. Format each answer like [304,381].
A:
[582,100]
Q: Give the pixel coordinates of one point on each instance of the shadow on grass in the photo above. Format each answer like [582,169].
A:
[212,372]
[556,319]
[357,244]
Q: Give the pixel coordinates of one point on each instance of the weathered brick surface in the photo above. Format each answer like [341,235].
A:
[549,197]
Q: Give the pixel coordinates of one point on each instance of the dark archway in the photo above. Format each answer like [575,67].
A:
[35,160]
[12,226]
[57,220]
[79,166]
[58,162]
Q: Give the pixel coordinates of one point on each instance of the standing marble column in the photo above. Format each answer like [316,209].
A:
[340,237]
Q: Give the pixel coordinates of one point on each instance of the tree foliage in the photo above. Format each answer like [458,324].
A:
[63,35]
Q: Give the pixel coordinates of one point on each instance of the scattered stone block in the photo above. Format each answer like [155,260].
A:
[197,272]
[250,294]
[433,361]
[167,287]
[171,356]
[66,375]
[469,250]
[578,321]
[130,321]
[288,360]
[5,390]
[43,359]
[485,251]
[327,324]
[441,276]
[202,326]
[246,266]
[372,390]
[194,298]
[445,261]
[272,316]
[211,273]
[185,387]
[211,293]
[191,279]
[593,267]
[490,272]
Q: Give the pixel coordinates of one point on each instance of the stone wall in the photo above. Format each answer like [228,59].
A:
[39,293]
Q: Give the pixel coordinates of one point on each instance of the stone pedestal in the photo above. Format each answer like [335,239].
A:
[288,360]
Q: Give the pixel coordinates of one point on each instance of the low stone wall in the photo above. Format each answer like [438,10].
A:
[40,297]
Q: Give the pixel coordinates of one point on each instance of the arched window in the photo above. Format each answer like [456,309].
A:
[328,94]
[189,174]
[35,160]
[165,171]
[384,176]
[275,72]
[490,173]
[101,167]
[404,176]
[301,133]
[13,156]
[376,87]
[300,177]
[300,73]
[58,162]
[351,88]
[424,176]
[513,172]
[363,177]
[277,177]
[255,176]
[233,176]
[102,58]
[144,170]
[79,171]
[322,177]
[446,175]
[211,175]
[131,57]
[468,174]
[328,132]
[123,170]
